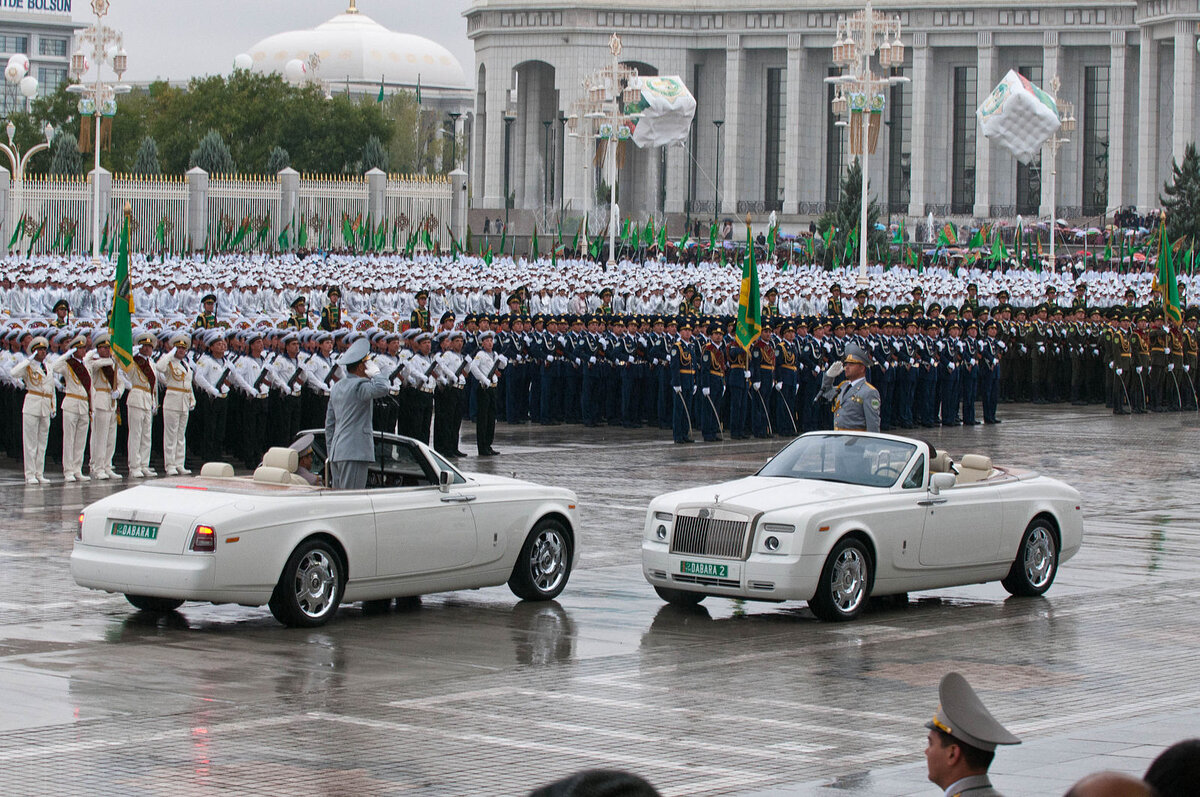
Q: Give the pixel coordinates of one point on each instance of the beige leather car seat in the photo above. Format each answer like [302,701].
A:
[974,468]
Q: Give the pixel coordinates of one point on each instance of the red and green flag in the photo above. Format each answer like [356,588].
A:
[120,321]
[749,317]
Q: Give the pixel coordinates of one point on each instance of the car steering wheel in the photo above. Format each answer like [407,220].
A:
[888,470]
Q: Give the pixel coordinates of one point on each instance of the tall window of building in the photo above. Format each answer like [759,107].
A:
[693,143]
[52,45]
[899,120]
[49,78]
[962,172]
[774,166]
[13,43]
[1095,140]
[833,146]
[1029,177]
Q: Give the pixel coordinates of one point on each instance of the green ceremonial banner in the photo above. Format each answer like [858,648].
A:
[36,237]
[120,321]
[749,317]
[1166,281]
[533,245]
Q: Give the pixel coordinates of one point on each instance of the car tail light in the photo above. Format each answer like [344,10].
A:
[204,540]
[79,531]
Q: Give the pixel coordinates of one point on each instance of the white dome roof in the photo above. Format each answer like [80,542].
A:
[355,47]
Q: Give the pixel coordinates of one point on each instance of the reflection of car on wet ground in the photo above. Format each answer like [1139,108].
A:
[837,517]
[421,526]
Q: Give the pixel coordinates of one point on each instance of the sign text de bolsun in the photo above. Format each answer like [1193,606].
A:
[41,6]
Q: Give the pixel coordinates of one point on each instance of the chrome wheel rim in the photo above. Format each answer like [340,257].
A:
[848,582]
[1039,558]
[548,560]
[316,583]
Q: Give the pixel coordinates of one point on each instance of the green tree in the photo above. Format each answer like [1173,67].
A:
[146,162]
[65,160]
[212,155]
[278,160]
[845,217]
[1181,197]
[374,156]
[415,144]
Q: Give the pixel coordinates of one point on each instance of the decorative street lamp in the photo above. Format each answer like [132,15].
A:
[546,162]
[509,118]
[1066,114]
[717,168]
[859,91]
[454,138]
[99,99]
[599,114]
[19,162]
[562,142]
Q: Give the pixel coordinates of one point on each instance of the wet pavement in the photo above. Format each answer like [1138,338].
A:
[476,693]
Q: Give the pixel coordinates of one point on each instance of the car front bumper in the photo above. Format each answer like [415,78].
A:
[760,577]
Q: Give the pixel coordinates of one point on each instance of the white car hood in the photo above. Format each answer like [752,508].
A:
[767,493]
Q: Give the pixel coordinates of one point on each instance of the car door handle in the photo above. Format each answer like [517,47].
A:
[457,499]
[926,502]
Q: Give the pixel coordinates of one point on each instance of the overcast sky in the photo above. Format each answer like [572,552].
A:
[178,39]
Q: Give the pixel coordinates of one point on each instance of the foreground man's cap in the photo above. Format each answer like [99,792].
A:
[356,352]
[962,715]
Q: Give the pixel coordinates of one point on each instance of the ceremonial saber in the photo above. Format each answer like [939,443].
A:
[1117,377]
[767,415]
[686,414]
[716,414]
[1142,382]
[1178,395]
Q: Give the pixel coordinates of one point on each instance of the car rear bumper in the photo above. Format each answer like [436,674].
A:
[769,578]
[180,576]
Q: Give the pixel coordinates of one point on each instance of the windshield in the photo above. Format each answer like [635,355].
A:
[850,459]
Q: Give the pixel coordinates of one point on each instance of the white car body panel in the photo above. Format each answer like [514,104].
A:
[919,540]
[398,541]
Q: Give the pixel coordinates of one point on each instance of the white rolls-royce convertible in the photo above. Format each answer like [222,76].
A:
[837,517]
[421,526]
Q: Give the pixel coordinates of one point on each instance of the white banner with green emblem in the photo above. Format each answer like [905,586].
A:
[1019,116]
[665,111]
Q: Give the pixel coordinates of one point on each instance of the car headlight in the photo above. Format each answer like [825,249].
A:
[662,523]
[666,517]
[771,543]
[778,528]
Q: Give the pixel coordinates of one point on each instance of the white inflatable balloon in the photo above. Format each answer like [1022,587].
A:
[29,87]
[242,61]
[295,70]
[1019,116]
[21,62]
[12,74]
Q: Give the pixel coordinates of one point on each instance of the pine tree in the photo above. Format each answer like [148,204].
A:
[146,162]
[374,156]
[845,217]
[212,155]
[278,160]
[1181,197]
[65,160]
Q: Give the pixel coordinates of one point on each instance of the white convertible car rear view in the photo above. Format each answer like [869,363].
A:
[422,526]
[837,517]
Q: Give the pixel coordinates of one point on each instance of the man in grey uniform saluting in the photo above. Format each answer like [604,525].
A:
[855,400]
[348,431]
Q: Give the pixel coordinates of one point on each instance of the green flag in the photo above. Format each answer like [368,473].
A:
[976,241]
[625,231]
[282,240]
[426,240]
[662,238]
[302,234]
[347,231]
[103,237]
[120,323]
[594,249]
[648,235]
[487,256]
[712,236]
[575,240]
[36,236]
[418,88]
[69,240]
[851,245]
[999,253]
[243,228]
[381,236]
[533,245]
[1165,281]
[503,238]
[749,317]
[380,97]
[160,233]
[57,238]
[18,232]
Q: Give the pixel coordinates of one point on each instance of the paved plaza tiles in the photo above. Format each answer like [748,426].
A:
[474,693]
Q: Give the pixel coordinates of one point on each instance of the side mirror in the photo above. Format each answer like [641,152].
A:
[941,481]
[444,479]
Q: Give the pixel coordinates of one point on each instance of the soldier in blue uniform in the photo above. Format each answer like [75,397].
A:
[787,373]
[591,357]
[970,373]
[737,380]
[683,384]
[991,352]
[712,381]
[907,368]
[927,374]
[950,358]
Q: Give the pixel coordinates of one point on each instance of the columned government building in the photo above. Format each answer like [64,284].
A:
[759,70]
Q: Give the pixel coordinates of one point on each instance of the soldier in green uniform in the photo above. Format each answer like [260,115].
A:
[62,314]
[971,303]
[1158,337]
[1080,300]
[299,317]
[1119,348]
[833,306]
[420,314]
[1035,342]
[207,318]
[1140,347]
[331,313]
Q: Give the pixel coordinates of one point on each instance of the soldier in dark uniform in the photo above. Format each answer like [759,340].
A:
[685,306]
[860,304]
[991,352]
[420,314]
[1139,394]
[971,303]
[207,318]
[1119,346]
[712,382]
[833,306]
[1080,300]
[770,308]
[683,384]
[970,370]
[1036,344]
[331,313]
[787,374]
[62,314]
[299,317]
[737,380]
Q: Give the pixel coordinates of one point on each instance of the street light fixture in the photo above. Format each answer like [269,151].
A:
[859,91]
[99,99]
[562,142]
[546,162]
[509,118]
[717,168]
[454,138]
[1066,114]
[18,161]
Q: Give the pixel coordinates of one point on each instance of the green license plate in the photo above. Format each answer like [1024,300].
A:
[138,531]
[704,569]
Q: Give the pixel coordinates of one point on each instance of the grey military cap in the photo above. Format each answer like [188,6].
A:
[962,715]
[854,353]
[358,351]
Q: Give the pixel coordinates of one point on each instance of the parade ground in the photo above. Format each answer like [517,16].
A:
[475,693]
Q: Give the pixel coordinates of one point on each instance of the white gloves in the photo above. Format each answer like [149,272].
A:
[1041,349]
[430,383]
[1170,366]
[1167,350]
[756,385]
[779,385]
[461,381]
[693,390]
[372,369]
[502,360]
[1119,372]
[706,391]
[592,360]
[549,358]
[1138,369]
[679,389]
[746,374]
[495,381]
[835,370]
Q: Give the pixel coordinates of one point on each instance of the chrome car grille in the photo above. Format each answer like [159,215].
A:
[707,536]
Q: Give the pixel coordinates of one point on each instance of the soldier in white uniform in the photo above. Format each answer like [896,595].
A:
[214,377]
[419,375]
[254,378]
[141,404]
[175,371]
[289,375]
[485,367]
[38,409]
[76,407]
[108,385]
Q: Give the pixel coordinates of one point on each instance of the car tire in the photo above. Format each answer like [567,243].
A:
[146,603]
[544,564]
[310,587]
[845,583]
[1036,565]
[680,597]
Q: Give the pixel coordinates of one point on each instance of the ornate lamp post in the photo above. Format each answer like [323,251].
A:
[509,117]
[599,114]
[717,169]
[19,162]
[1066,113]
[454,138]
[859,91]
[99,98]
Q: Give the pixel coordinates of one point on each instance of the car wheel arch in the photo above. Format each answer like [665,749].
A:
[867,540]
[327,537]
[558,517]
[1051,520]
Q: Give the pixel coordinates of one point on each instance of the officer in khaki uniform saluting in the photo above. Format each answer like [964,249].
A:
[38,409]
[962,741]
[108,383]
[142,403]
[175,370]
[76,407]
[855,400]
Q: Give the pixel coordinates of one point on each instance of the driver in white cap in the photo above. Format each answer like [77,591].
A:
[348,431]
[962,741]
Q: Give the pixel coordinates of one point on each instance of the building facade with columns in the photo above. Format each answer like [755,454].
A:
[765,136]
